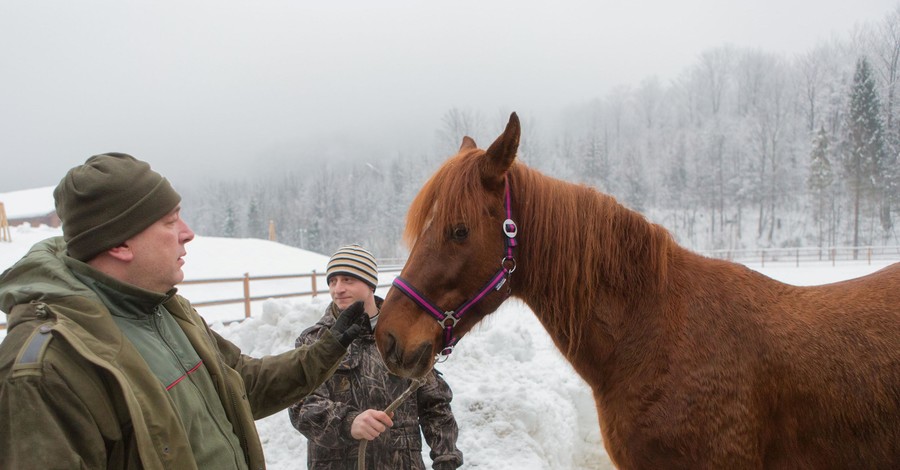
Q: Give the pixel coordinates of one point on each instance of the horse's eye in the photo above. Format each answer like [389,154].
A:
[459,232]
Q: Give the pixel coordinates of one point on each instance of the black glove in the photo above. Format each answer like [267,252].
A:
[445,465]
[348,325]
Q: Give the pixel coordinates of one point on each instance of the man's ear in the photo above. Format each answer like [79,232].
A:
[121,252]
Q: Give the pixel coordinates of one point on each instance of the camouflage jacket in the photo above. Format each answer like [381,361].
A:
[363,382]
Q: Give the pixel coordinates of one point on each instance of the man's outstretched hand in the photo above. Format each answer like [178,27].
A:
[349,325]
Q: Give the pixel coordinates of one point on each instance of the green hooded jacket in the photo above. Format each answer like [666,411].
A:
[74,393]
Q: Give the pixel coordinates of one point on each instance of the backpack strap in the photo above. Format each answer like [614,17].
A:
[32,354]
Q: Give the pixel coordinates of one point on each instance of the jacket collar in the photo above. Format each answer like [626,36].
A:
[128,299]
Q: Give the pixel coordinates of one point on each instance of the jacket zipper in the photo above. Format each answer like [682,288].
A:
[156,324]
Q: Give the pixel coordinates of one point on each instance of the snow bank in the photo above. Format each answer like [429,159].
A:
[518,403]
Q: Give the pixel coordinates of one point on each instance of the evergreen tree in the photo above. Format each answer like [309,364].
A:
[592,162]
[891,191]
[819,180]
[255,225]
[864,145]
[229,229]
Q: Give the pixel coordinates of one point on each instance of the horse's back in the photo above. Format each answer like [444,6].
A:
[870,303]
[837,376]
[886,276]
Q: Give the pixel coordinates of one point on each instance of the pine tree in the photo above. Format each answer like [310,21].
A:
[255,225]
[229,229]
[820,178]
[864,145]
[891,190]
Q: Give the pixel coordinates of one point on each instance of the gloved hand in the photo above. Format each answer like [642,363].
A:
[445,465]
[349,324]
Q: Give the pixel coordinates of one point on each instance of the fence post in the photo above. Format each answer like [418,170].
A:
[763,258]
[246,295]
[869,255]
[833,255]
[314,291]
[5,235]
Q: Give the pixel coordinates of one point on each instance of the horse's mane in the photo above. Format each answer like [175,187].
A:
[583,246]
[594,253]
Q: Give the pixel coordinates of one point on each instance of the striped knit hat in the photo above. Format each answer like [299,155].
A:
[354,261]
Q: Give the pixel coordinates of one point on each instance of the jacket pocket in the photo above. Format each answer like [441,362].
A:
[406,438]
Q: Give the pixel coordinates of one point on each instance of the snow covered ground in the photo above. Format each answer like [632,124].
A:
[518,403]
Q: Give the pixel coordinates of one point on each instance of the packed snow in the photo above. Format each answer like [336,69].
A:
[518,403]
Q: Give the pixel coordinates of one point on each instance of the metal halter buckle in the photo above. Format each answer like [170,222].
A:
[450,316]
[510,228]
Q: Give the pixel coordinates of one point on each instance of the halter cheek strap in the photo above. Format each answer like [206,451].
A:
[448,319]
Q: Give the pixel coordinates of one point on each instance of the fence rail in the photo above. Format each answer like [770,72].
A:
[807,254]
[760,255]
[246,279]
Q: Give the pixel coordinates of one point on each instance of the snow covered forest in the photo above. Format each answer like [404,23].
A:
[744,149]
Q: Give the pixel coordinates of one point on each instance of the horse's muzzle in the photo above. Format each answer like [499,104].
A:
[413,363]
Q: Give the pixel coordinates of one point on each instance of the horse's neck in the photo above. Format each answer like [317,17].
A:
[572,235]
[585,264]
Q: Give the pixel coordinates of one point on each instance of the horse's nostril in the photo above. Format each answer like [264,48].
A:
[421,355]
[390,343]
[391,354]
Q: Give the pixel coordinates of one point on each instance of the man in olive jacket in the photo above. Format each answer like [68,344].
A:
[104,366]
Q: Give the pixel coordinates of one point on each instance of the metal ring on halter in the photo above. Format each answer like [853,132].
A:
[444,354]
[451,317]
[508,263]
[510,228]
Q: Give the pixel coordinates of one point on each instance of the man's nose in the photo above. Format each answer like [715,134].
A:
[186,233]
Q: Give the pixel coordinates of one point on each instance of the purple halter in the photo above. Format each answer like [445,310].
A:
[449,319]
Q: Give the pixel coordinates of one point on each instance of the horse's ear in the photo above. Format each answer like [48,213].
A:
[500,155]
[468,143]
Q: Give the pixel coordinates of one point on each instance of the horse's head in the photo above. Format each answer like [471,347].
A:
[460,256]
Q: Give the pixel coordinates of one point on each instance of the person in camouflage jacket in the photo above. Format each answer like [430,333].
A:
[347,407]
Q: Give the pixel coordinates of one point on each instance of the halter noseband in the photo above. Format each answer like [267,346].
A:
[449,319]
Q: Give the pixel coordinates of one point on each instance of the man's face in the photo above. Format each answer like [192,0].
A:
[158,252]
[345,290]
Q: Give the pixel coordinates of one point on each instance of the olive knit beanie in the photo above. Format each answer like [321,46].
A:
[109,199]
[353,261]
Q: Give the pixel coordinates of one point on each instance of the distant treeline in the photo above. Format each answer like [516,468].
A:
[745,149]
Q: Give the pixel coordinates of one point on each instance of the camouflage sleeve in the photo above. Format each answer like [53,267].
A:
[436,419]
[322,420]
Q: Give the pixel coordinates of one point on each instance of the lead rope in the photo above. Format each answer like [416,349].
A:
[361,455]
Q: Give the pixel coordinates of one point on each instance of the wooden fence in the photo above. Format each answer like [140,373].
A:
[761,256]
[797,255]
[316,282]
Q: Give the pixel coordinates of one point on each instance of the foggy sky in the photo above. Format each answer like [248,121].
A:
[207,89]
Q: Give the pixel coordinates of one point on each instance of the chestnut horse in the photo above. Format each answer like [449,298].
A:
[693,362]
